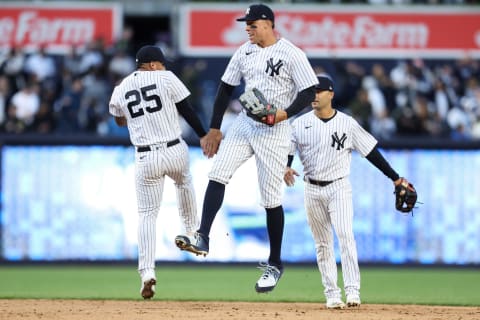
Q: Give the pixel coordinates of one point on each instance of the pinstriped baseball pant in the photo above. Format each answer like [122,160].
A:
[270,145]
[150,171]
[329,209]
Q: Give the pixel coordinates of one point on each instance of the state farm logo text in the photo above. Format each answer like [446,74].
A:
[33,29]
[362,32]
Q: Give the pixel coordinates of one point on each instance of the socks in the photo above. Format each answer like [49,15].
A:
[211,204]
[275,225]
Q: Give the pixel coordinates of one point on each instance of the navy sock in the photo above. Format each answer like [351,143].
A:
[211,204]
[275,225]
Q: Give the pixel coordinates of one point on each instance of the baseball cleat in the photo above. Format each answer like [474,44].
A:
[148,288]
[269,278]
[353,301]
[335,303]
[196,244]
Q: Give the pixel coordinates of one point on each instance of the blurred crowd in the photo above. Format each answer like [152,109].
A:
[68,94]
[412,98]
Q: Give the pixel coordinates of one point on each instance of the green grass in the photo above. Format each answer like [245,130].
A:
[394,285]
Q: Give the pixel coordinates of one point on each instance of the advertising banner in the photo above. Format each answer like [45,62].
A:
[59,25]
[340,31]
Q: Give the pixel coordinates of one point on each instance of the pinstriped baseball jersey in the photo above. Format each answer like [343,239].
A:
[325,148]
[279,71]
[147,99]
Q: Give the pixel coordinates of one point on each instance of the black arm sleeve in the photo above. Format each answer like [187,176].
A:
[376,158]
[290,160]
[185,109]
[304,98]
[224,92]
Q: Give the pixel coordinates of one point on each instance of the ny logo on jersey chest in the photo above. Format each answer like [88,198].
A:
[273,68]
[339,141]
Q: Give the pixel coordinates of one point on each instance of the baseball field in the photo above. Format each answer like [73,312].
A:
[212,291]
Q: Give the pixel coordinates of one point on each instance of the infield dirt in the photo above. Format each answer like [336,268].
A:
[133,310]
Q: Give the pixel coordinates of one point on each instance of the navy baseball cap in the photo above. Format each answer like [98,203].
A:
[258,12]
[148,54]
[324,84]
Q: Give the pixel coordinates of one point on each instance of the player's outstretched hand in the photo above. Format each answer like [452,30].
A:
[210,142]
[289,176]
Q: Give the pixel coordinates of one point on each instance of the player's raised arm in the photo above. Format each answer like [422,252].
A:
[213,138]
[186,111]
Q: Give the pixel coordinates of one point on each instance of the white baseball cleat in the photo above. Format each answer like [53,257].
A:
[335,303]
[269,278]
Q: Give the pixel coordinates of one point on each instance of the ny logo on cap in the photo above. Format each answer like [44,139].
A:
[247,12]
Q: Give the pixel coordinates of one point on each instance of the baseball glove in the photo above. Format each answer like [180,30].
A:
[405,196]
[257,107]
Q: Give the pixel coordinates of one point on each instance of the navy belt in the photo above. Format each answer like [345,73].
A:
[148,148]
[320,183]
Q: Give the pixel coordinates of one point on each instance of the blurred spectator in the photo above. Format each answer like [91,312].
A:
[13,67]
[385,85]
[420,79]
[348,79]
[94,105]
[93,57]
[361,109]
[71,64]
[40,67]
[120,65]
[23,108]
[125,42]
[380,123]
[67,108]
[441,100]
[466,68]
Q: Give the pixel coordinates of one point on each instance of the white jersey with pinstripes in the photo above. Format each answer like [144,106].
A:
[325,150]
[279,71]
[147,99]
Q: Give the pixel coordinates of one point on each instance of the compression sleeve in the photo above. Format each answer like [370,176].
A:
[185,109]
[290,160]
[376,158]
[222,100]
[304,98]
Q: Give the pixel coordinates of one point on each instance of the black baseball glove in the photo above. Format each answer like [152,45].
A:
[405,196]
[257,107]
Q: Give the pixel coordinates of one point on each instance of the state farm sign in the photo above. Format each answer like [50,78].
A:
[58,26]
[342,31]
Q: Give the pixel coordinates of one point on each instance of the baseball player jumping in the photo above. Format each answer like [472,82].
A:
[148,101]
[281,71]
[325,138]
